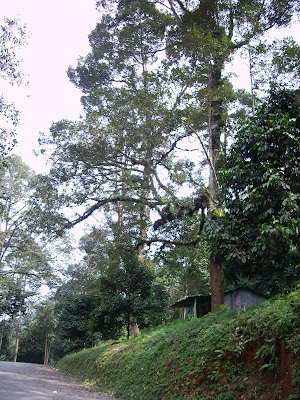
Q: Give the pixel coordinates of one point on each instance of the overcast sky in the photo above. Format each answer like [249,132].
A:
[59,36]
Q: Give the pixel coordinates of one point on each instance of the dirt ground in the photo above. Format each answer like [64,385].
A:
[20,381]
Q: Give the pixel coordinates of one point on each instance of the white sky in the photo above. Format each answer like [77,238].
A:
[59,36]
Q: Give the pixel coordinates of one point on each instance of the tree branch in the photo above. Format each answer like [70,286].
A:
[101,203]
[167,215]
[206,154]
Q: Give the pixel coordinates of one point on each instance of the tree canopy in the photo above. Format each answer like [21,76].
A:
[154,88]
[258,234]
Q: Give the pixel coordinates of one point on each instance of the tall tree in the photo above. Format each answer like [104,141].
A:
[24,261]
[207,34]
[137,119]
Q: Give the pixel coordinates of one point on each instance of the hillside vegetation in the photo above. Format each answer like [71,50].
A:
[254,354]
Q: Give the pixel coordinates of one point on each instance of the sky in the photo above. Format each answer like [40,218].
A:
[58,37]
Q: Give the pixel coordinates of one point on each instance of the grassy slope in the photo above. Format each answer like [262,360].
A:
[254,354]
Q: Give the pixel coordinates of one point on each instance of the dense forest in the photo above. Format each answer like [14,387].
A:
[184,185]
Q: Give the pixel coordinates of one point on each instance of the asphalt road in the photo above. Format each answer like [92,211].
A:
[20,381]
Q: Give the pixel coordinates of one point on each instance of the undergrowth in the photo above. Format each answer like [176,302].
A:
[253,354]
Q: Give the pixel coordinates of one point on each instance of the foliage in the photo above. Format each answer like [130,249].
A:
[38,328]
[21,255]
[98,301]
[73,321]
[154,83]
[286,62]
[184,270]
[127,293]
[11,297]
[258,236]
[223,356]
[25,261]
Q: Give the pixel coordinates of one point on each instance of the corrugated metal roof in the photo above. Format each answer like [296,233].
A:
[189,300]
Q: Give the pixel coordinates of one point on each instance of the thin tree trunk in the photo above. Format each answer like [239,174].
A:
[2,334]
[143,233]
[17,338]
[47,351]
[251,79]
[10,332]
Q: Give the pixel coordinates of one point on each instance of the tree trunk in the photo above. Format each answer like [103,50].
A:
[216,284]
[215,123]
[12,323]
[17,338]
[2,334]
[143,232]
[251,79]
[47,351]
[133,328]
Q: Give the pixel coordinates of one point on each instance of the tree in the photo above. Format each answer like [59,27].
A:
[14,182]
[184,270]
[126,293]
[209,33]
[135,123]
[258,235]
[38,339]
[12,303]
[74,319]
[20,253]
[24,260]
[114,156]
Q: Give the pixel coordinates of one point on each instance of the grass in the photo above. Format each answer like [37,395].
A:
[253,354]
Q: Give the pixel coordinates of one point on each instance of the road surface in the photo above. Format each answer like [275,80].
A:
[20,381]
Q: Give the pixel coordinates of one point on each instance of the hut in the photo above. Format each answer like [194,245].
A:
[236,299]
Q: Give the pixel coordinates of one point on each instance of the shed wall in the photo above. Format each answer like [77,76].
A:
[242,298]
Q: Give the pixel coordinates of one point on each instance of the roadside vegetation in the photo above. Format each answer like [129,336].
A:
[253,354]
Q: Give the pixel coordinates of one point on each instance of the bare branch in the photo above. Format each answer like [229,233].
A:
[173,146]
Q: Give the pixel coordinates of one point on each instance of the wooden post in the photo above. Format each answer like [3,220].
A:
[195,307]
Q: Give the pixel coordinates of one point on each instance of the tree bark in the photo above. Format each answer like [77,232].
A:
[143,233]
[12,322]
[17,338]
[47,351]
[215,123]
[133,329]
[216,284]
[2,334]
